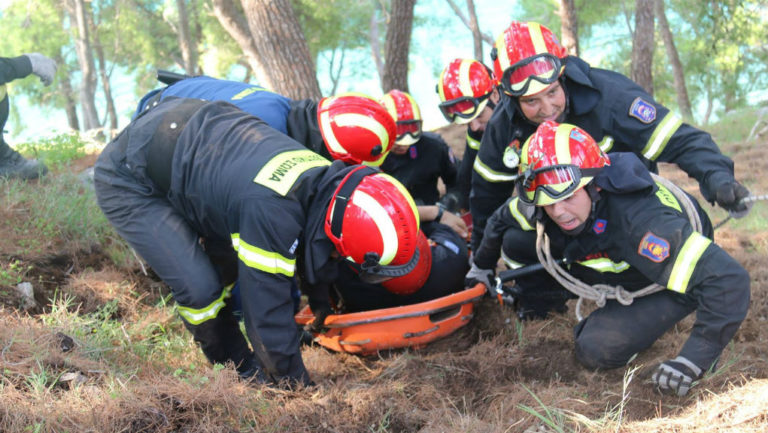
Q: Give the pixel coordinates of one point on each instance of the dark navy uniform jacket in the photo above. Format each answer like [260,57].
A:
[639,234]
[618,114]
[418,169]
[464,176]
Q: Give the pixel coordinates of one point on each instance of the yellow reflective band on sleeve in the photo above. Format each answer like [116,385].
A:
[197,316]
[472,143]
[266,261]
[282,171]
[667,198]
[605,265]
[518,216]
[491,175]
[661,135]
[606,144]
[247,92]
[686,261]
[511,264]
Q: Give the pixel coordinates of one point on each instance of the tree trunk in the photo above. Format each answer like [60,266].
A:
[642,45]
[569,27]
[105,84]
[232,21]
[281,48]
[70,104]
[77,11]
[373,38]
[472,24]
[186,44]
[683,101]
[397,46]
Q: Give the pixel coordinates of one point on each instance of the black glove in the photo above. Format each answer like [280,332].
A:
[729,196]
[317,326]
[676,376]
[485,276]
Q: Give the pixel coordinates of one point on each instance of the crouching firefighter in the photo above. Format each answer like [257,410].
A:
[615,225]
[268,209]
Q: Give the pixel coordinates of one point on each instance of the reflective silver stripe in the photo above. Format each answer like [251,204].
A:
[686,261]
[605,265]
[511,264]
[197,316]
[607,144]
[472,143]
[519,217]
[491,175]
[262,260]
[661,135]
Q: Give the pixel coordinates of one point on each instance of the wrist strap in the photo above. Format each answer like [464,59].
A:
[440,211]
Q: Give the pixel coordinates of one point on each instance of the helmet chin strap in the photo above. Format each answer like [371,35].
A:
[594,196]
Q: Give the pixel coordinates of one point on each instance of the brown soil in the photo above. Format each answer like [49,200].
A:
[480,379]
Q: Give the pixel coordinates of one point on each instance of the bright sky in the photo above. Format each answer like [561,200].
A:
[442,38]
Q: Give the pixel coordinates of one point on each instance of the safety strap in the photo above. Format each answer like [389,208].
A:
[600,293]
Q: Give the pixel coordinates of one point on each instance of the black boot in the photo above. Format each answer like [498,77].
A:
[14,166]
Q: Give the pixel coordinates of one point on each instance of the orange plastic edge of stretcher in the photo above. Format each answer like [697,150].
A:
[412,326]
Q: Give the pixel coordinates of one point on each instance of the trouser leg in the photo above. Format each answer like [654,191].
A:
[611,335]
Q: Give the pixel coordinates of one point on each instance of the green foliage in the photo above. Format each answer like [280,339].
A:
[56,152]
[14,274]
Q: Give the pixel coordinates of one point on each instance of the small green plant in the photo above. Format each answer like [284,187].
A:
[14,273]
[57,151]
[552,417]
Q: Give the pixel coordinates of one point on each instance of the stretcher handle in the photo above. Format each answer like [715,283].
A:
[511,274]
[169,77]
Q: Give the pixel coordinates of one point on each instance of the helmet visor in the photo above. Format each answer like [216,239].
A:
[410,128]
[544,68]
[466,107]
[548,185]
[371,272]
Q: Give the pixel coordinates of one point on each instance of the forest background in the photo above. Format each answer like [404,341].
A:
[701,58]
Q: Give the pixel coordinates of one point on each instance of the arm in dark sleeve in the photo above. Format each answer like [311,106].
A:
[506,217]
[12,68]
[464,174]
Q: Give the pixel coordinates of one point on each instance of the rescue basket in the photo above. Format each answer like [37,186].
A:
[412,326]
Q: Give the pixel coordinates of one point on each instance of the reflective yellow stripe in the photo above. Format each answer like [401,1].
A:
[262,260]
[400,187]
[667,198]
[661,136]
[464,84]
[605,265]
[511,264]
[383,222]
[472,143]
[492,175]
[246,92]
[197,316]
[537,38]
[282,171]
[687,259]
[518,216]
[563,145]
[606,144]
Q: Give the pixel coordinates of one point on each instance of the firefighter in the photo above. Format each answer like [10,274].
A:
[268,209]
[468,95]
[615,225]
[541,82]
[351,127]
[12,164]
[418,159]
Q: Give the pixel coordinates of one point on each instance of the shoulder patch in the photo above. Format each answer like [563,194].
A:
[642,110]
[653,247]
[599,226]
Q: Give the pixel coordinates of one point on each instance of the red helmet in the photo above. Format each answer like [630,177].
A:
[356,128]
[464,87]
[414,280]
[406,113]
[373,222]
[527,58]
[556,161]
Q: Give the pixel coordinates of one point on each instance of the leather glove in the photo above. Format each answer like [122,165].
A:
[729,196]
[317,326]
[485,276]
[43,67]
[676,376]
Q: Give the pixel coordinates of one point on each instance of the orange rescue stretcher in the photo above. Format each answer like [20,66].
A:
[412,326]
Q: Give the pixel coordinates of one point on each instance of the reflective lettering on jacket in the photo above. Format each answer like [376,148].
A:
[686,261]
[196,316]
[282,171]
[472,143]
[491,175]
[263,260]
[667,198]
[242,94]
[661,135]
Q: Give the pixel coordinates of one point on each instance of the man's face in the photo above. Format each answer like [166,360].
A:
[571,212]
[399,149]
[548,104]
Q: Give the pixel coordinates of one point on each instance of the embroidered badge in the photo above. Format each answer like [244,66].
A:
[599,226]
[511,158]
[642,110]
[654,248]
[413,152]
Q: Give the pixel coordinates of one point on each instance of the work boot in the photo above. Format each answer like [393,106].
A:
[15,166]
